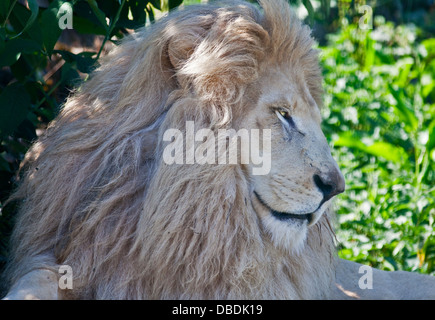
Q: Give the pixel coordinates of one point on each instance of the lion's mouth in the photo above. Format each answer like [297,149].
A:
[286,216]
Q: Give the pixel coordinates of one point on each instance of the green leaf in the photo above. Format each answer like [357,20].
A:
[392,262]
[174,3]
[403,108]
[405,65]
[21,70]
[431,141]
[85,64]
[307,4]
[2,39]
[428,84]
[19,20]
[82,25]
[13,49]
[83,61]
[4,165]
[378,148]
[34,9]
[429,44]
[150,14]
[14,106]
[98,13]
[370,52]
[156,4]
[386,151]
[326,6]
[137,9]
[4,8]
[50,25]
[69,74]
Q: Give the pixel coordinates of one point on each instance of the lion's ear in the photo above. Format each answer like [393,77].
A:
[215,54]
[184,38]
[179,51]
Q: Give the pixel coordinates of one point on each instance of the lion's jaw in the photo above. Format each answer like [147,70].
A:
[303,177]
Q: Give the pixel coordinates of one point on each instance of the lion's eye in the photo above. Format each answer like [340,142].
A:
[284,113]
[285,116]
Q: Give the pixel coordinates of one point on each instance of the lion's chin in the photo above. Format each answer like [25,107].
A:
[288,235]
[287,231]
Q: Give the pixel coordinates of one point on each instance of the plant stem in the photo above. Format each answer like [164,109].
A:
[111,27]
[47,94]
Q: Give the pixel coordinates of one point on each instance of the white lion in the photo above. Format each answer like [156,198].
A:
[98,197]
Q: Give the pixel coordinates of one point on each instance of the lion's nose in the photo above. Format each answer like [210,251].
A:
[330,184]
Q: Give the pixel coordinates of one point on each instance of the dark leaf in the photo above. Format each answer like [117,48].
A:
[174,3]
[34,9]
[85,20]
[14,106]
[69,75]
[150,14]
[156,4]
[137,9]
[307,4]
[4,9]
[14,48]
[326,5]
[98,13]
[4,165]
[20,18]
[2,39]
[50,25]
[84,26]
[85,63]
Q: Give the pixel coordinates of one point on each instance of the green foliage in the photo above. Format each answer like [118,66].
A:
[380,107]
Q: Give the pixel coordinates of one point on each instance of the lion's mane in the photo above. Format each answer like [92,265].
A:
[97,196]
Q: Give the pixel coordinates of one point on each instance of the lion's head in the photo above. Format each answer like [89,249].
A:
[303,175]
[133,226]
